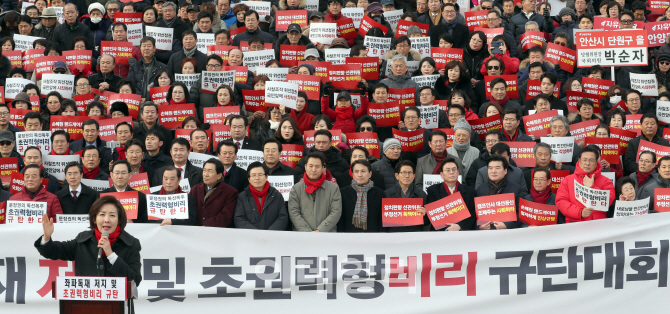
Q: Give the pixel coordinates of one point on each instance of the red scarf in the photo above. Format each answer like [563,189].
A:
[91,174]
[67,152]
[262,195]
[351,174]
[538,197]
[162,191]
[172,102]
[313,185]
[513,139]
[112,236]
[122,153]
[439,161]
[502,102]
[344,113]
[446,187]
[641,177]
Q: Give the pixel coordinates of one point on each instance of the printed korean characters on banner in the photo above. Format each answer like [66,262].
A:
[90,288]
[219,133]
[624,137]
[255,59]
[620,48]
[55,164]
[62,83]
[426,80]
[429,116]
[285,18]
[346,28]
[205,40]
[139,182]
[281,94]
[658,6]
[490,33]
[442,56]
[15,57]
[557,177]
[386,115]
[645,83]
[421,45]
[609,148]
[173,206]
[188,79]
[432,179]
[247,156]
[254,100]
[596,86]
[80,60]
[657,31]
[583,130]
[108,127]
[392,17]
[172,116]
[534,88]
[337,55]
[573,97]
[17,184]
[216,115]
[659,150]
[475,19]
[44,64]
[661,200]
[532,39]
[158,94]
[323,33]
[129,200]
[356,14]
[39,139]
[132,100]
[522,153]
[369,140]
[538,124]
[13,86]
[135,34]
[128,18]
[401,212]
[321,69]
[633,123]
[344,76]
[120,50]
[291,55]
[512,85]
[377,46]
[71,125]
[312,5]
[163,36]
[9,166]
[72,219]
[631,208]
[562,148]
[275,74]
[565,57]
[25,212]
[291,154]
[211,80]
[221,51]
[612,24]
[236,32]
[241,73]
[309,84]
[663,111]
[592,198]
[263,9]
[199,159]
[412,141]
[535,214]
[97,185]
[30,57]
[405,96]
[483,125]
[495,208]
[23,42]
[367,23]
[448,210]
[283,184]
[403,25]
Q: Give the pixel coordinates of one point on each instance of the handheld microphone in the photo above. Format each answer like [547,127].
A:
[100,249]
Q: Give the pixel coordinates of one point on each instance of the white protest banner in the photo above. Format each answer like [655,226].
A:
[62,83]
[135,34]
[199,159]
[91,288]
[13,86]
[97,185]
[355,14]
[254,59]
[431,179]
[40,139]
[59,14]
[205,40]
[426,80]
[275,74]
[464,6]
[610,175]
[72,219]
[392,17]
[312,5]
[187,79]
[162,35]
[421,45]
[561,147]
[281,93]
[23,42]
[246,156]
[211,80]
[261,7]
[592,198]
[663,111]
[55,164]
[631,208]
[337,55]
[174,206]
[25,212]
[645,83]
[323,33]
[283,184]
[486,274]
[377,46]
[612,48]
[429,116]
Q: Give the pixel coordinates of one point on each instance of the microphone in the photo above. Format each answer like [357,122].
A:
[100,249]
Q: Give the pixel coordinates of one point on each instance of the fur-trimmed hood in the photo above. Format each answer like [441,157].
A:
[283,6]
[416,56]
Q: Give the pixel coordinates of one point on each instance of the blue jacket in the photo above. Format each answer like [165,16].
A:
[229,18]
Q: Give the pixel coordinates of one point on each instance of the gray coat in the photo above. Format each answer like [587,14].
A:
[273,217]
[648,191]
[639,187]
[401,81]
[514,174]
[320,210]
[426,165]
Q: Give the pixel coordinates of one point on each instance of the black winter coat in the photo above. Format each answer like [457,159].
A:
[112,79]
[630,157]
[459,32]
[83,203]
[174,64]
[395,192]
[237,178]
[282,170]
[336,164]
[517,24]
[274,215]
[137,75]
[374,218]
[510,187]
[473,61]
[64,34]
[437,192]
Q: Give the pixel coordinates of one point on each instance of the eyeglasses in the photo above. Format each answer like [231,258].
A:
[664,62]
[619,93]
[366,129]
[59,71]
[564,44]
[5,143]
[487,8]
[4,114]
[214,66]
[493,67]
[626,22]
[406,173]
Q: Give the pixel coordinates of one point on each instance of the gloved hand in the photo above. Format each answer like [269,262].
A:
[557,67]
[362,88]
[546,12]
[131,61]
[327,89]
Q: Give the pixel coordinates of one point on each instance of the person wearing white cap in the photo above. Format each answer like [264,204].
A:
[461,147]
[49,22]
[98,24]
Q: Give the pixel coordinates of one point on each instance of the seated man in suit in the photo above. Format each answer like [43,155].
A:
[232,174]
[170,186]
[179,150]
[214,199]
[76,198]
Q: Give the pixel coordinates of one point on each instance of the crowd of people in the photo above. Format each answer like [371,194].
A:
[337,187]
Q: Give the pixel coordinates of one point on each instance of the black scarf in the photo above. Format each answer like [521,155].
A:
[494,188]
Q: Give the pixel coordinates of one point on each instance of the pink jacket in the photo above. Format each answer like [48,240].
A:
[571,207]
[53,204]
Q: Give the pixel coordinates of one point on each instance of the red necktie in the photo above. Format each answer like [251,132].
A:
[239,145]
[74,195]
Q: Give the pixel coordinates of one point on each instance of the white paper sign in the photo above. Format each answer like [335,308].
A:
[187,79]
[262,7]
[281,93]
[62,83]
[610,175]
[464,6]
[421,45]
[72,219]
[255,59]
[355,14]
[312,5]
[645,83]
[431,179]
[59,14]
[135,34]
[429,116]
[426,80]
[323,33]
[663,111]
[377,46]
[246,156]
[592,198]
[283,184]
[205,40]
[25,212]
[22,42]
[199,159]
[13,86]
[275,74]
[561,148]
[107,289]
[97,185]
[631,208]
[55,164]
[162,35]
[40,139]
[211,80]
[174,206]
[337,55]
[392,17]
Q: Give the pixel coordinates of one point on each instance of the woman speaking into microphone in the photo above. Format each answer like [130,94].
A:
[120,256]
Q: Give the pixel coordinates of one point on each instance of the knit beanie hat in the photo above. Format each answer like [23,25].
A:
[569,11]
[390,142]
[374,7]
[461,125]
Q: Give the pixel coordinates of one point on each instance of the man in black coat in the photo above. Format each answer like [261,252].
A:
[350,221]
[91,130]
[251,23]
[323,144]
[498,184]
[405,188]
[170,186]
[33,155]
[232,174]
[105,79]
[439,191]
[65,33]
[76,198]
[149,114]
[273,214]
[517,24]
[171,20]
[120,177]
[238,132]
[651,133]
[179,150]
[449,25]
[189,40]
[154,158]
[143,71]
[272,149]
[542,153]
